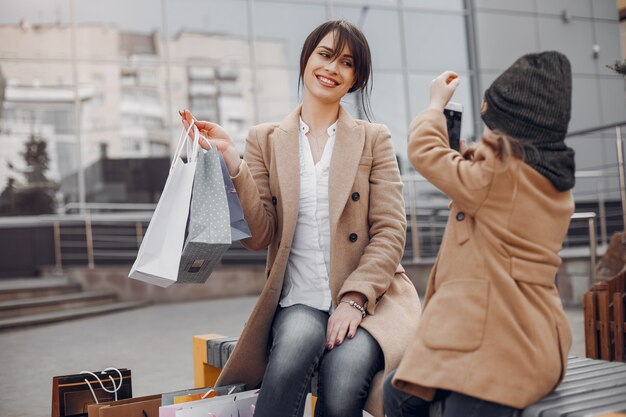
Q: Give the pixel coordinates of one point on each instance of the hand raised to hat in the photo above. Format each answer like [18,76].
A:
[442,88]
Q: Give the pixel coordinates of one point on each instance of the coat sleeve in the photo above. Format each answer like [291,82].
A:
[466,182]
[387,231]
[253,189]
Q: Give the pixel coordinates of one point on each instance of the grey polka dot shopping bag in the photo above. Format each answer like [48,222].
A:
[209,221]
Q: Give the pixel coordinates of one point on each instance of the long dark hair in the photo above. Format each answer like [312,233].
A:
[345,34]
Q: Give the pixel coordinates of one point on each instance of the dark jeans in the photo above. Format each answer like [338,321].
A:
[400,404]
[298,348]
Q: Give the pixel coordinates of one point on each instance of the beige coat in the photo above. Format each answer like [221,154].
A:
[493,325]
[368,231]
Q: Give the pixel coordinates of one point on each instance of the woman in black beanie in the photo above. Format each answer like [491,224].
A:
[493,337]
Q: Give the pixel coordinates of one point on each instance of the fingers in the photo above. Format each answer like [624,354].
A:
[341,324]
[352,329]
[447,76]
[462,146]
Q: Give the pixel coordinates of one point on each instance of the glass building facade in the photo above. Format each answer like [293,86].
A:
[112,75]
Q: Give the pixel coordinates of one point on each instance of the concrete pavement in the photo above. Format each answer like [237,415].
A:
[154,342]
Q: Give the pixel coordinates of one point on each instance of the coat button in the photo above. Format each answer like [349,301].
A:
[274,200]
[356,196]
[460,216]
[353,237]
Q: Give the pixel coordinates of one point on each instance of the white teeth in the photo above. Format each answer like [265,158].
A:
[327,81]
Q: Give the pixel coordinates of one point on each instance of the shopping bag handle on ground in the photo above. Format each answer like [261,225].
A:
[115,389]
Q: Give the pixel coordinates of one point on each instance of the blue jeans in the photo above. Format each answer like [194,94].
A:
[298,348]
[401,404]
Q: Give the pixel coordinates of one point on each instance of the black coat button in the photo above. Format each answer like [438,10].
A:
[460,216]
[274,200]
[356,196]
[353,237]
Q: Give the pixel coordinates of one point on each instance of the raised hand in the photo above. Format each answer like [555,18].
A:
[442,88]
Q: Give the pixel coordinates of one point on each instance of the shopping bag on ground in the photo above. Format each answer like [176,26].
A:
[132,407]
[72,394]
[183,396]
[158,258]
[234,405]
[238,226]
[209,221]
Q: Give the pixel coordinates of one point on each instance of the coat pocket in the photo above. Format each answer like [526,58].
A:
[455,316]
[533,272]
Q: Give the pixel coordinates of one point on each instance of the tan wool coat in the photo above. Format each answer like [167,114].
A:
[368,231]
[492,325]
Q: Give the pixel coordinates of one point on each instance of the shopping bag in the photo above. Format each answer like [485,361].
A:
[72,394]
[179,397]
[133,407]
[234,405]
[209,221]
[159,255]
[238,226]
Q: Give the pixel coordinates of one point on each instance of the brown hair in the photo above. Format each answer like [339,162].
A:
[345,34]
[502,145]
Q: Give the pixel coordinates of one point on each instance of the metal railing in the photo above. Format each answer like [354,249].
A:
[112,233]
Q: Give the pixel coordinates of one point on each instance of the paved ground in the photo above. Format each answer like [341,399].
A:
[154,342]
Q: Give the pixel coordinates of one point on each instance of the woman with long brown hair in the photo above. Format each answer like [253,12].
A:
[322,192]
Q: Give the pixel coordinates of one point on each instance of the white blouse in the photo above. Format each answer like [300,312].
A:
[308,268]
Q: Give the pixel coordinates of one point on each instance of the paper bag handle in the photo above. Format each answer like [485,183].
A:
[116,388]
[182,141]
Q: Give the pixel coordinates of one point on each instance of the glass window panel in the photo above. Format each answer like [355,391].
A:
[388,107]
[608,38]
[456,5]
[143,16]
[605,9]
[380,29]
[276,93]
[435,42]
[585,106]
[35,12]
[287,23]
[613,103]
[209,16]
[507,5]
[574,39]
[596,152]
[577,8]
[498,48]
[390,3]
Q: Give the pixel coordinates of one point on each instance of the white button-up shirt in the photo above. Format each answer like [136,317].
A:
[308,268]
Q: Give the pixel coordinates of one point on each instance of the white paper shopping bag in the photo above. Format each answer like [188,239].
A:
[234,405]
[159,254]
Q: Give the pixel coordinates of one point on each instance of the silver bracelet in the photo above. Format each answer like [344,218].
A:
[357,306]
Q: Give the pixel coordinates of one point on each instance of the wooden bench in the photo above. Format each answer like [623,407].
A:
[605,324]
[590,387]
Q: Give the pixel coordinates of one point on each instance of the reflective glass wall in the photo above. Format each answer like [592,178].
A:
[112,75]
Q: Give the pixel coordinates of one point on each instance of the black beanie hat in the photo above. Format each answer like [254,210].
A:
[532,102]
[532,99]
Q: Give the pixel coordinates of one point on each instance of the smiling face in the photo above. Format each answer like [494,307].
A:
[329,74]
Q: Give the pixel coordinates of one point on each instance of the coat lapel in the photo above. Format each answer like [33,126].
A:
[344,165]
[287,153]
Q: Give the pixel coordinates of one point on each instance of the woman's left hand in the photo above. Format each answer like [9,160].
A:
[343,322]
